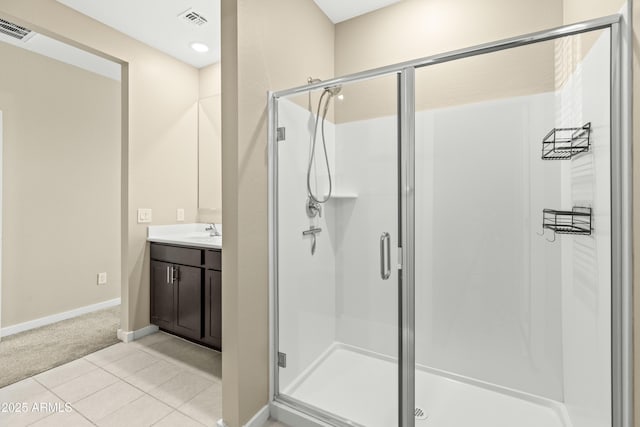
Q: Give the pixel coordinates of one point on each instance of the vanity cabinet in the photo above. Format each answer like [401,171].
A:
[186,294]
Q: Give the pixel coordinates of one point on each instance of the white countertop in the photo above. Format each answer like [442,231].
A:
[185,235]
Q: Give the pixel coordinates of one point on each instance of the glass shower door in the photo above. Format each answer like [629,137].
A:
[337,261]
[513,236]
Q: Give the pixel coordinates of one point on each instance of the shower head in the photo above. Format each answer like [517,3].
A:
[333,90]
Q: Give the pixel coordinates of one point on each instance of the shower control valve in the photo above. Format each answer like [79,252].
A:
[313,208]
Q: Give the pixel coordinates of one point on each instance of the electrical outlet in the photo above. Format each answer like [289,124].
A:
[180,214]
[102,278]
[144,216]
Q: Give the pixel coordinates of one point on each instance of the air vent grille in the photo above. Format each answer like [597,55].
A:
[193,17]
[14,30]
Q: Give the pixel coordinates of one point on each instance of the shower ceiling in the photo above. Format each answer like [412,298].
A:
[156,22]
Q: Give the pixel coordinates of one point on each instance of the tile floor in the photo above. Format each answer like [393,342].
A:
[159,380]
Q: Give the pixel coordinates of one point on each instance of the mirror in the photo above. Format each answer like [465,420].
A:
[209,144]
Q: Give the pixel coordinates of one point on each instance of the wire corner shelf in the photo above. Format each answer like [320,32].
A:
[575,221]
[565,143]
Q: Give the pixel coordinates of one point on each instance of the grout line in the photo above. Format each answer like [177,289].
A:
[65,401]
[190,417]
[131,402]
[106,415]
[153,388]
[180,363]
[90,394]
[34,377]
[83,415]
[175,410]
[171,412]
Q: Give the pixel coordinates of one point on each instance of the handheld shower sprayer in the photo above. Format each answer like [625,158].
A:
[323,104]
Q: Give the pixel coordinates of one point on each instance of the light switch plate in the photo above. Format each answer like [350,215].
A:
[144,216]
[102,278]
[180,214]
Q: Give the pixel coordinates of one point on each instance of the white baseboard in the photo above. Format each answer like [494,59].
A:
[260,418]
[128,336]
[43,321]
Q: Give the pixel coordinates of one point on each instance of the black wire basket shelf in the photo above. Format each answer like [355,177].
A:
[565,143]
[575,221]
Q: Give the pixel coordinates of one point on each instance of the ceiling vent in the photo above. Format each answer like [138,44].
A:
[16,31]
[193,17]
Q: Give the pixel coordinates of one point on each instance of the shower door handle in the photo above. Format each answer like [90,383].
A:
[385,259]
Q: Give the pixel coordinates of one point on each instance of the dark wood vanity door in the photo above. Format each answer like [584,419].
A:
[213,309]
[188,301]
[162,307]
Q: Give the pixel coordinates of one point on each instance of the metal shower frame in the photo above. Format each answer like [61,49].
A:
[621,221]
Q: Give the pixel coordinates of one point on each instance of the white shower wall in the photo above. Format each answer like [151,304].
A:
[487,287]
[307,285]
[366,164]
[491,297]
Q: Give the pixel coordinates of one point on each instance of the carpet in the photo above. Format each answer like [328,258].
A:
[32,352]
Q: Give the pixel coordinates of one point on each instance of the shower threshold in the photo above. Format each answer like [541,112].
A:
[361,386]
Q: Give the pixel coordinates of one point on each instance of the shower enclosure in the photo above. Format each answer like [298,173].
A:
[469,267]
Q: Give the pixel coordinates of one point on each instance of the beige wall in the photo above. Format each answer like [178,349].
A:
[209,145]
[582,10]
[417,28]
[261,51]
[160,153]
[61,172]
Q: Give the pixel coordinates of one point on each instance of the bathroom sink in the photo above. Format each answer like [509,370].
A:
[188,235]
[203,238]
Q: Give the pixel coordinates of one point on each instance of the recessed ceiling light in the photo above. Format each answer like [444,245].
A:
[199,47]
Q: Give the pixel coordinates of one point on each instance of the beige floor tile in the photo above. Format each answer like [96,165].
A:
[64,419]
[110,354]
[206,407]
[85,385]
[156,338]
[176,419]
[156,374]
[142,412]
[107,400]
[18,392]
[190,356]
[180,388]
[210,368]
[130,364]
[34,408]
[64,373]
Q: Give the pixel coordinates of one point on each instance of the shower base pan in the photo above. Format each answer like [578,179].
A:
[361,386]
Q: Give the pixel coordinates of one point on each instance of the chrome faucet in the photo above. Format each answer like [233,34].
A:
[313,208]
[212,229]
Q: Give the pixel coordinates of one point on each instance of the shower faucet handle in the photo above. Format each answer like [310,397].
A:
[313,208]
[312,231]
